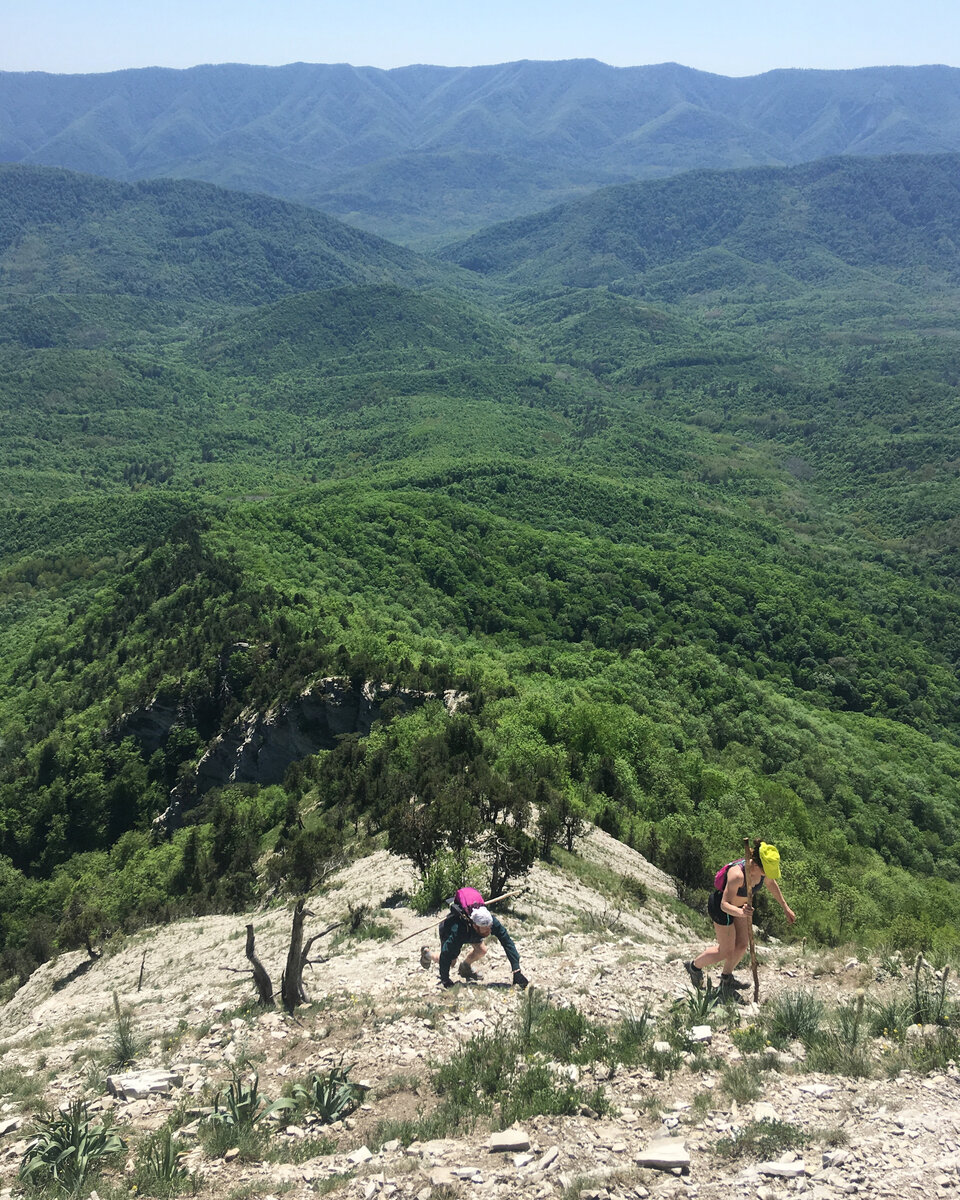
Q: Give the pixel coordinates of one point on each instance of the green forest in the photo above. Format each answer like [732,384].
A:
[643,511]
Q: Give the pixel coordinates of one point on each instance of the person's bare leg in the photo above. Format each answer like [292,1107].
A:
[722,951]
[741,941]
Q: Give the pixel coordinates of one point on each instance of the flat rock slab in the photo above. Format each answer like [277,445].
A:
[779,1170]
[665,1154]
[508,1140]
[10,1126]
[442,1177]
[549,1158]
[140,1085]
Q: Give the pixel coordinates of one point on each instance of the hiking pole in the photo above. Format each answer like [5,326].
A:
[747,860]
[505,896]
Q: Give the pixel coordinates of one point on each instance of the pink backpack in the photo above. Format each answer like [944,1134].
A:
[465,900]
[720,879]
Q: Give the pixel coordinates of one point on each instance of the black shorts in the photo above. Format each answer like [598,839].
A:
[715,912]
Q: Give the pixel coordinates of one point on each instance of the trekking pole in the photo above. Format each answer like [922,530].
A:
[495,900]
[747,860]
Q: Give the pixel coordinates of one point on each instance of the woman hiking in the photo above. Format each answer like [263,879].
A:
[730,907]
[469,922]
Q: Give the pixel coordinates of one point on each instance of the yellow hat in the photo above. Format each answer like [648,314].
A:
[770,860]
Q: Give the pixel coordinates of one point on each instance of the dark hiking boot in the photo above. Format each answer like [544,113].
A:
[696,975]
[465,971]
[730,981]
[728,991]
[425,960]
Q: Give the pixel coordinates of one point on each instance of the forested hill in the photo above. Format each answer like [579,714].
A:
[167,239]
[688,565]
[426,151]
[821,224]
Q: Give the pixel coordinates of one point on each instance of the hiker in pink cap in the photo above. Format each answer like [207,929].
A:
[468,923]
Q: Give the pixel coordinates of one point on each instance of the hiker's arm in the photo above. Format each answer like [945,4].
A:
[506,941]
[730,902]
[451,947]
[774,889]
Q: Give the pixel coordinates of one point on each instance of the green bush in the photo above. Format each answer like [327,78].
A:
[124,1043]
[796,1015]
[889,1018]
[159,1171]
[629,1037]
[67,1149]
[447,871]
[749,1039]
[763,1140]
[927,1000]
[741,1081]
[331,1097]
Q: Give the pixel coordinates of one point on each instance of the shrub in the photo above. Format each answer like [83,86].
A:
[928,995]
[331,1096]
[68,1148]
[929,1054]
[661,1062]
[538,1091]
[851,1026]
[832,1053]
[446,872]
[698,1004]
[234,1122]
[796,1015]
[362,926]
[741,1081]
[159,1170]
[476,1075]
[889,1018]
[241,1104]
[749,1039]
[762,1139]
[124,1044]
[504,1074]
[298,1150]
[630,1037]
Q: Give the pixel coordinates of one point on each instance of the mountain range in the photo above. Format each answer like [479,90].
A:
[422,153]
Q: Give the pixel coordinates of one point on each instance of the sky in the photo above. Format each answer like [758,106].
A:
[727,37]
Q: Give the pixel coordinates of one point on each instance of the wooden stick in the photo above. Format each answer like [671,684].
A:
[495,900]
[747,860]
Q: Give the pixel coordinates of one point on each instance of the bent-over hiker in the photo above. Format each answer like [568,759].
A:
[468,923]
[730,907]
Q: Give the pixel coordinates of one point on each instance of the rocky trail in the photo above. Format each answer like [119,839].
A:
[613,953]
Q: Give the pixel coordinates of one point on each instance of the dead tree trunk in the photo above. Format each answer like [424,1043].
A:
[291,982]
[260,977]
[292,992]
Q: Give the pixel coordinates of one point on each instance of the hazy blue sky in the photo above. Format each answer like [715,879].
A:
[729,37]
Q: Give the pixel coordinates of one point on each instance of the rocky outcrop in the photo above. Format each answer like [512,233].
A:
[150,725]
[260,746]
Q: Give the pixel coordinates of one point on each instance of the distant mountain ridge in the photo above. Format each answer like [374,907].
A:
[425,151]
[780,229]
